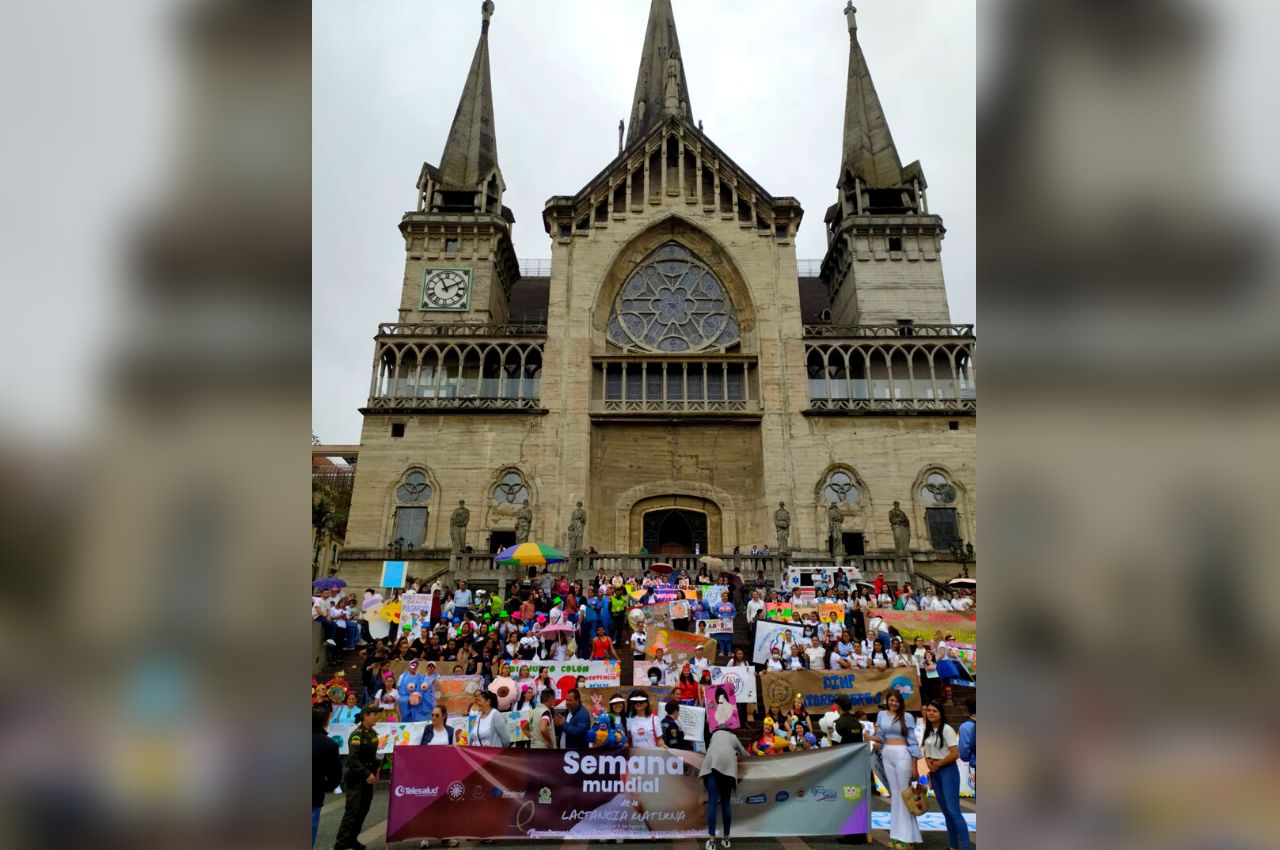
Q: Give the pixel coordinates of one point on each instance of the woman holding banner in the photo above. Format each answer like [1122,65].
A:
[895,733]
[720,777]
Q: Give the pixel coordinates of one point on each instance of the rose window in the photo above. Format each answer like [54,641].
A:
[673,303]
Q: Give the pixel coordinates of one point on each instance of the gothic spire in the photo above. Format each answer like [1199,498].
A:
[869,152]
[661,88]
[471,153]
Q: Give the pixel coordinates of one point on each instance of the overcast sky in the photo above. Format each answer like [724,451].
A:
[766,78]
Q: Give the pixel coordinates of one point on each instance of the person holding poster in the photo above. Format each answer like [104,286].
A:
[720,777]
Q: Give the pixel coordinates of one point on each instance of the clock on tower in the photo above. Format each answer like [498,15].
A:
[446,289]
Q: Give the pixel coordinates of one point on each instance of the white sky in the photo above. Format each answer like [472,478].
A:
[766,78]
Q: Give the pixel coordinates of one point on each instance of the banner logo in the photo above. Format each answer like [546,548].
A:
[782,796]
[406,791]
[822,793]
[457,791]
[852,793]
[544,796]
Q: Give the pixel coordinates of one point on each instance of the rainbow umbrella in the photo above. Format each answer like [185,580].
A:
[529,554]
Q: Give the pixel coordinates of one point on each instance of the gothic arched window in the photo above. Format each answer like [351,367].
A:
[938,495]
[840,488]
[673,303]
[412,497]
[510,490]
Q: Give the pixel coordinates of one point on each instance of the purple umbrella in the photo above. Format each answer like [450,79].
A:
[328,584]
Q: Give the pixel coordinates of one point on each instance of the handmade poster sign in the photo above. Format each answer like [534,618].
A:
[722,706]
[680,609]
[650,615]
[393,573]
[923,624]
[692,720]
[743,680]
[678,646]
[390,735]
[718,626]
[773,635]
[415,612]
[457,693]
[565,675]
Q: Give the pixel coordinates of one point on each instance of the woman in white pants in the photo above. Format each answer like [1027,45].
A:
[895,733]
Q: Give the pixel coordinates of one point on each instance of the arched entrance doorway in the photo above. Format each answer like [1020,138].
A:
[675,531]
[675,525]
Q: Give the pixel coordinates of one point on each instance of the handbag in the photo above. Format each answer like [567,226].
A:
[916,798]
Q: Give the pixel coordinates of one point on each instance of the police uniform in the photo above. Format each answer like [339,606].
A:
[362,762]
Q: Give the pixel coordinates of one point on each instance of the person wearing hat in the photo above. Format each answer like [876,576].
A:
[358,777]
[699,662]
[610,729]
[643,727]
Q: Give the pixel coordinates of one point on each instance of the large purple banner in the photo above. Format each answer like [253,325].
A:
[484,792]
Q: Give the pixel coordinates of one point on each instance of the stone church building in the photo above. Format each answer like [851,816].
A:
[672,370]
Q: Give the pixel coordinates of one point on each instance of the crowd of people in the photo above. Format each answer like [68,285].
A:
[546,617]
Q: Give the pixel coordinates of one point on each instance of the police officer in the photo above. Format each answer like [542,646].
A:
[358,776]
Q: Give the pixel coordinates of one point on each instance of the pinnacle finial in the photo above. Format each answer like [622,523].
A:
[486,12]
[849,12]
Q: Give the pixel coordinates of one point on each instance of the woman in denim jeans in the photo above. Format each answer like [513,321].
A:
[940,746]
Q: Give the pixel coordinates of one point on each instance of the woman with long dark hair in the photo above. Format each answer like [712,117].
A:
[896,734]
[941,747]
[720,777]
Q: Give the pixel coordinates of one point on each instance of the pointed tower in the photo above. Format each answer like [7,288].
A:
[461,264]
[883,261]
[661,88]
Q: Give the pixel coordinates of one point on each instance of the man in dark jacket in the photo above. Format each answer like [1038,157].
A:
[326,766]
[577,723]
[358,777]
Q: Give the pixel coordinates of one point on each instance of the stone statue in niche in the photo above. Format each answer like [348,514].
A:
[672,104]
[524,522]
[901,526]
[835,524]
[577,526]
[782,522]
[458,527]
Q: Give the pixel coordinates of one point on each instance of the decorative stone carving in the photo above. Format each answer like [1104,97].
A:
[524,522]
[577,526]
[782,522]
[672,104]
[458,527]
[901,526]
[673,303]
[835,523]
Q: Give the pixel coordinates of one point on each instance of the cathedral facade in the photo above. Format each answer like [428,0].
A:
[671,375]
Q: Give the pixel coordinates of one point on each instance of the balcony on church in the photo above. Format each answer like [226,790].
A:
[721,386]
[900,369]
[458,368]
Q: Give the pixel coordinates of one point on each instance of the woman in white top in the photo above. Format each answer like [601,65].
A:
[941,748]
[895,733]
[524,677]
[774,664]
[896,656]
[643,727]
[754,605]
[638,641]
[878,660]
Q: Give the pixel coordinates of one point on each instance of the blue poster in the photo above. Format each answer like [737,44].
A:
[393,573]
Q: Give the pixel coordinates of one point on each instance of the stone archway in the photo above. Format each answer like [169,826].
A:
[675,522]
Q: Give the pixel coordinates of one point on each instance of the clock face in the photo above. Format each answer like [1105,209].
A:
[446,289]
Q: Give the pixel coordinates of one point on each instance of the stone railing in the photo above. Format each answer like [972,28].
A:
[900,405]
[713,385]
[458,404]
[462,329]
[882,331]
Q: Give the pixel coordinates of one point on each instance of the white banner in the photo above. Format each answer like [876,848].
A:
[770,634]
[594,674]
[743,680]
[390,735]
